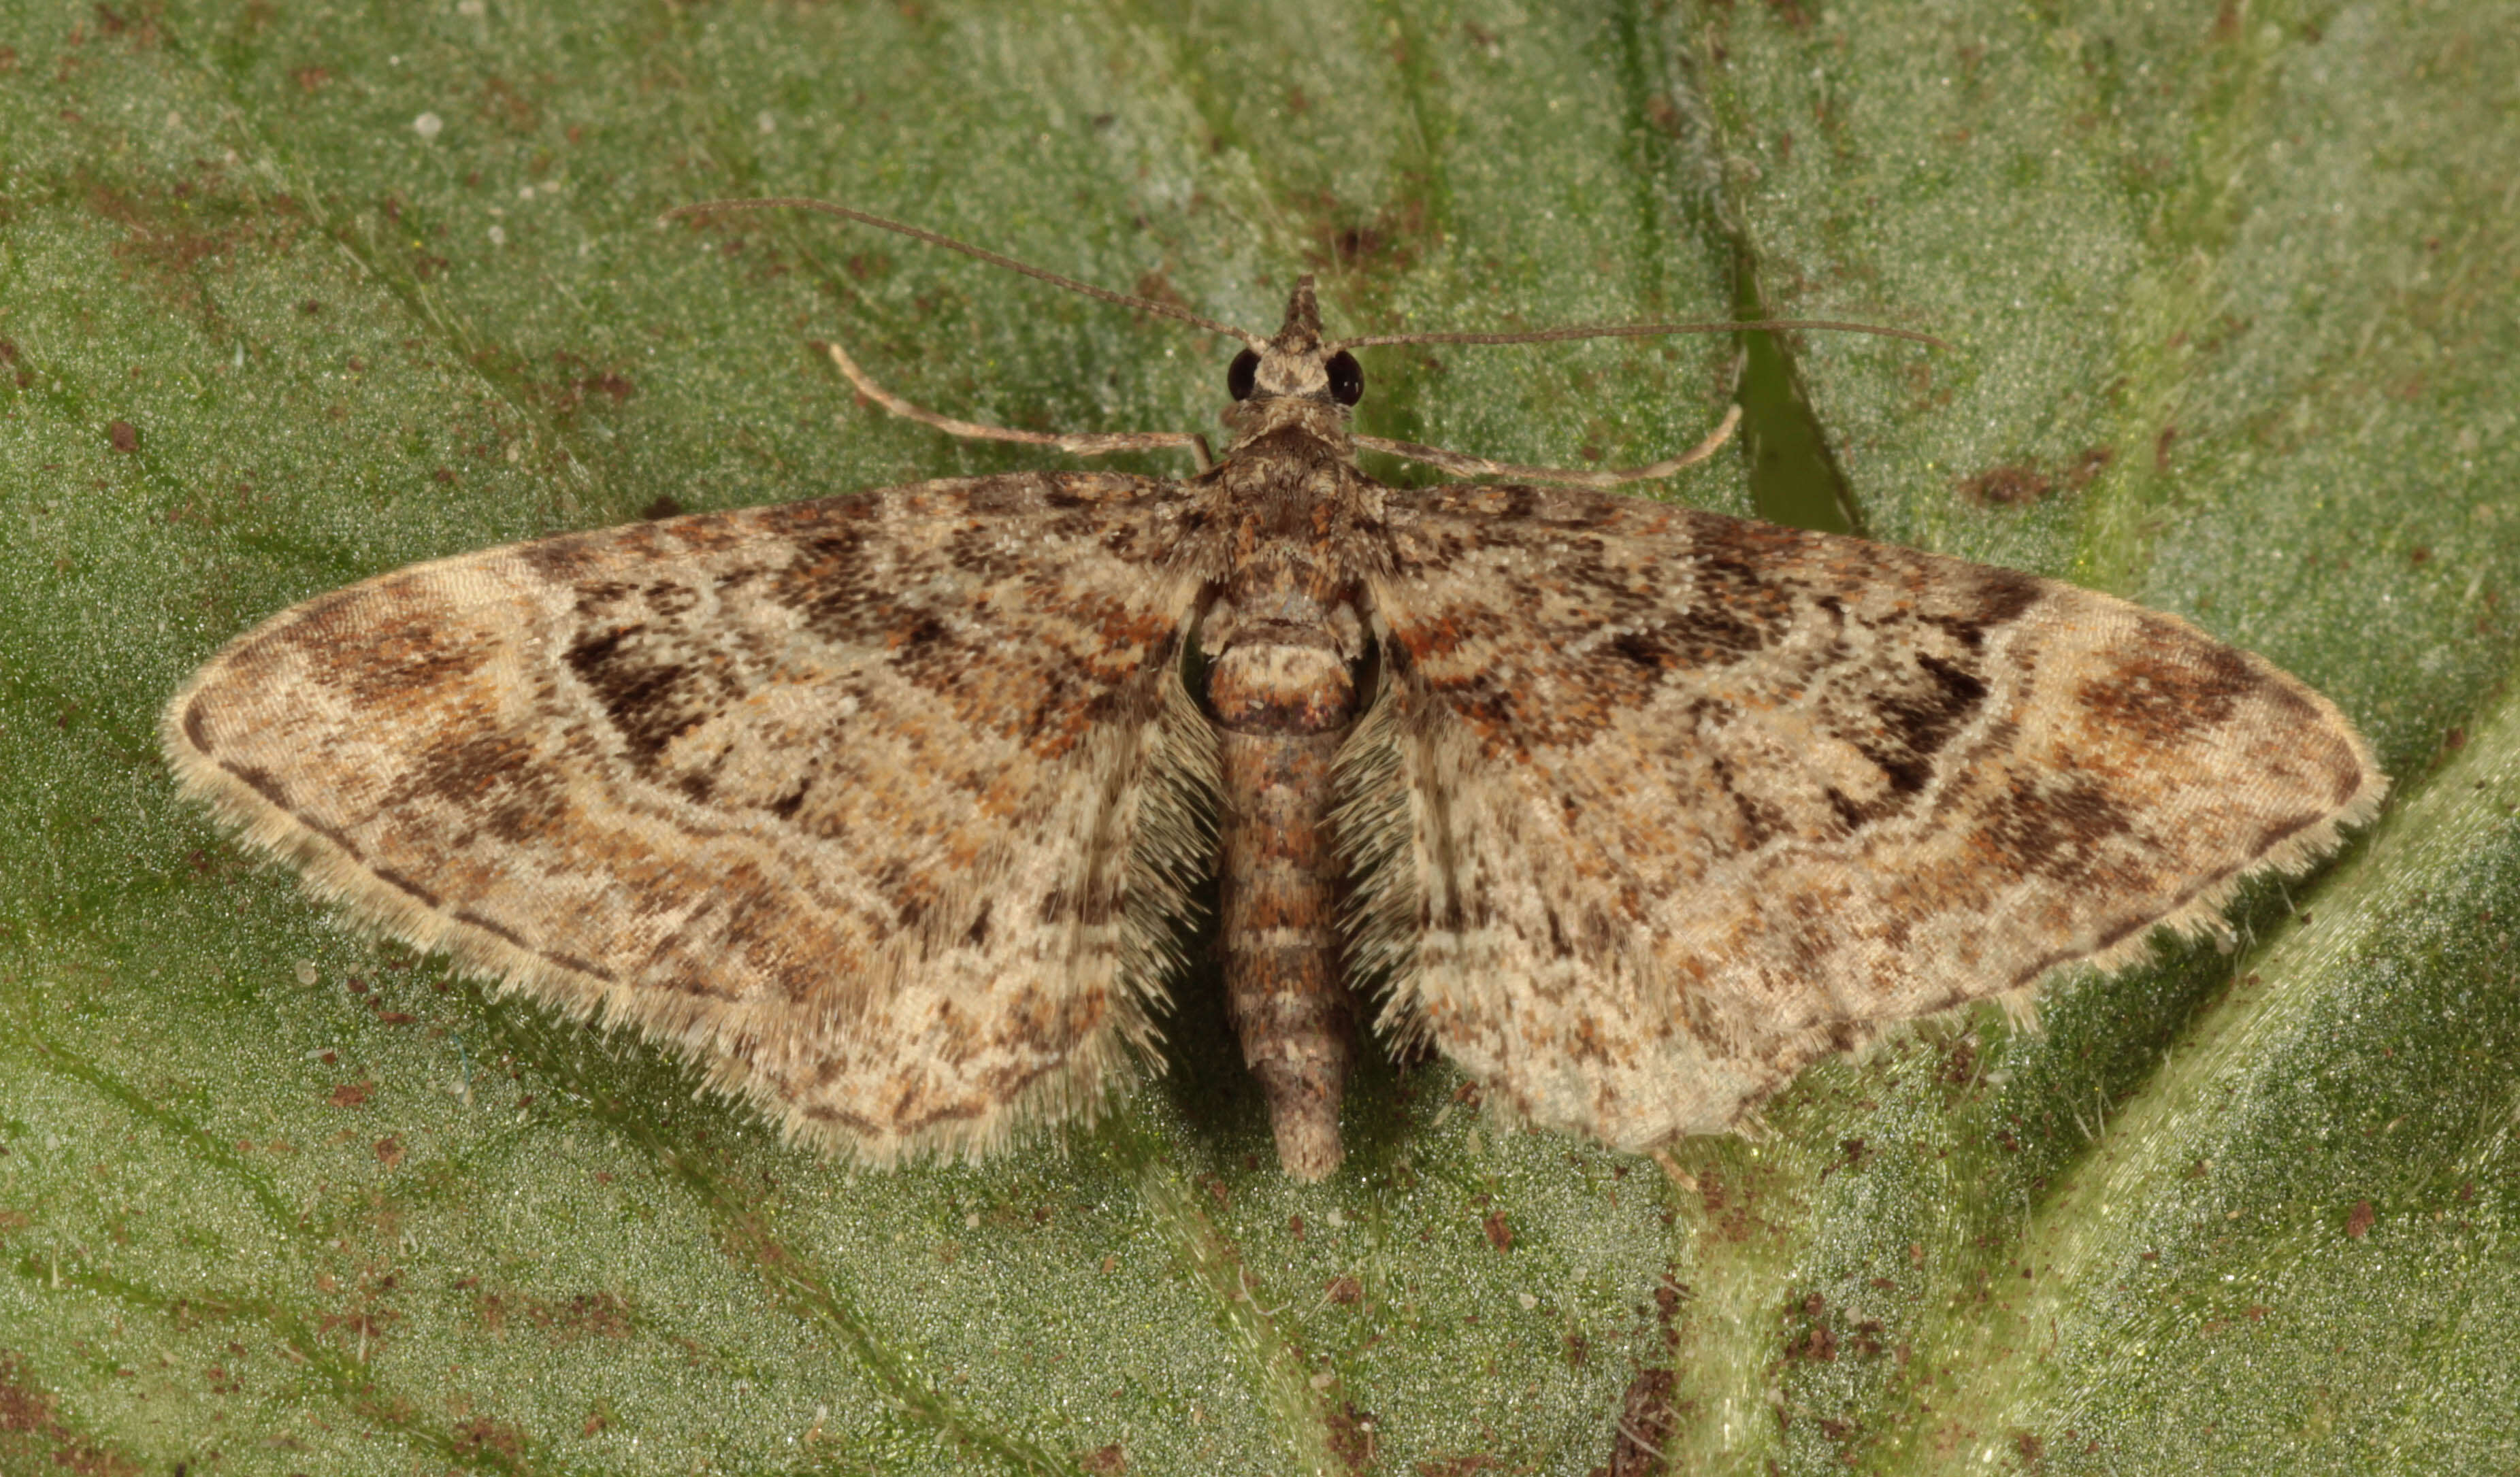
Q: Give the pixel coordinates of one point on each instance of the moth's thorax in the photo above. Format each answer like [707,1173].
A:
[1299,424]
[1284,628]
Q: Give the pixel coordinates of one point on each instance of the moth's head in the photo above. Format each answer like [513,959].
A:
[1297,364]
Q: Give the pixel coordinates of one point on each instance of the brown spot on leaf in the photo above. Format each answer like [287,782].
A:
[483,1437]
[1818,1342]
[389,1150]
[352,1093]
[1155,286]
[1356,244]
[610,382]
[1500,1230]
[1351,1436]
[2006,487]
[2357,1221]
[587,1315]
[1667,1298]
[503,105]
[35,1439]
[124,436]
[1649,1420]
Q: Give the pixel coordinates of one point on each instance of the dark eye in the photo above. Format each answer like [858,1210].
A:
[1241,374]
[1347,379]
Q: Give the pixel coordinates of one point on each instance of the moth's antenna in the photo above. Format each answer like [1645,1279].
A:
[1638,330]
[826,207]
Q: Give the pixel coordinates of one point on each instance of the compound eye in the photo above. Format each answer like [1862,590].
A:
[1347,379]
[1242,375]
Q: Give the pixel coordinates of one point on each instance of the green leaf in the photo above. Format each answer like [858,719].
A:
[291,296]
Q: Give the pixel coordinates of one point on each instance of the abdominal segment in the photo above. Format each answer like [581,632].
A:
[1283,710]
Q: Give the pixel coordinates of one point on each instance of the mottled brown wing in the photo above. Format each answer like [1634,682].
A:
[872,805]
[1658,805]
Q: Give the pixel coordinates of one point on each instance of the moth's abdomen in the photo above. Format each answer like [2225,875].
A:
[1284,699]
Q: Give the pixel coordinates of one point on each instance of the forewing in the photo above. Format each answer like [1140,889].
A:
[870,804]
[1657,805]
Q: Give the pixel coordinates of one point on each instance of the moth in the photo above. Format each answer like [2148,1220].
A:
[881,808]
